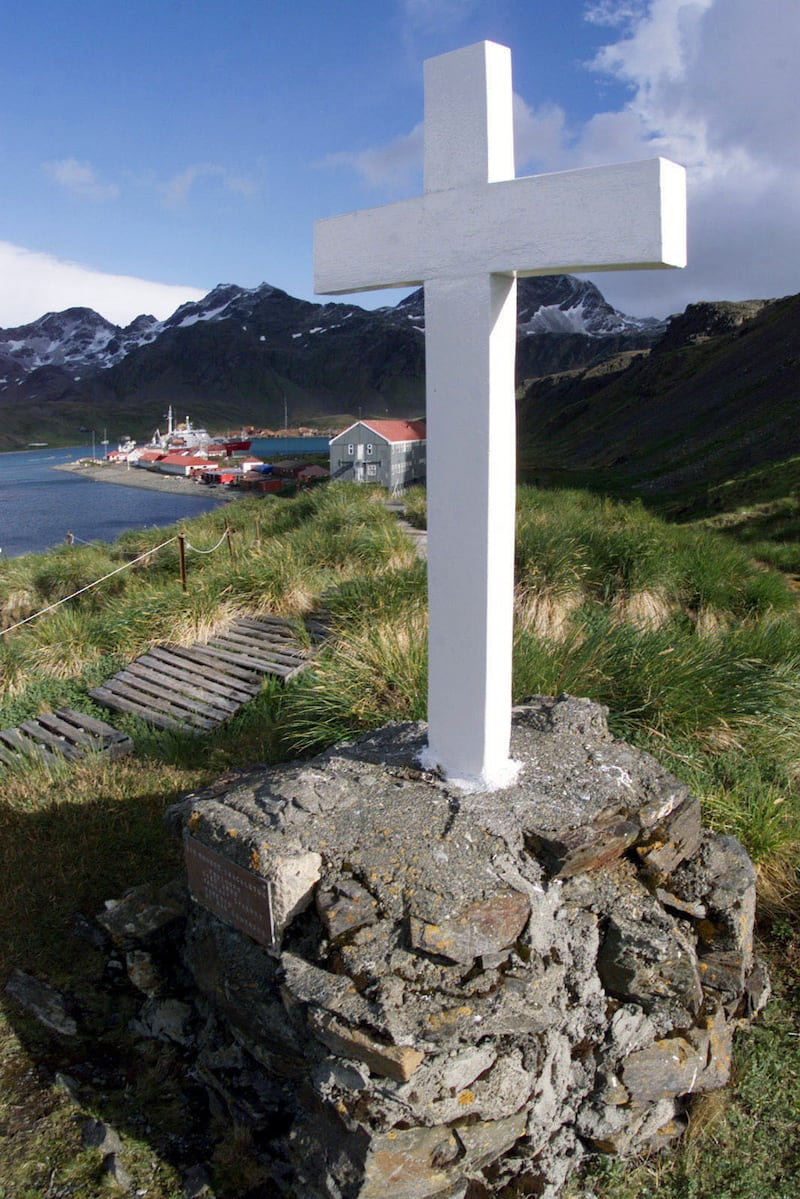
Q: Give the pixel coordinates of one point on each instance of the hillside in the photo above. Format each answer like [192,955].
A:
[714,401]
[234,357]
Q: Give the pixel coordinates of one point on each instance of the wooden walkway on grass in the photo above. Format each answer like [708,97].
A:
[195,688]
[53,736]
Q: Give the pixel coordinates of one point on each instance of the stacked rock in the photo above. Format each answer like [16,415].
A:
[456,992]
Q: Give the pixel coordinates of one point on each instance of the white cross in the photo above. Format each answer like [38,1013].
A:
[467,238]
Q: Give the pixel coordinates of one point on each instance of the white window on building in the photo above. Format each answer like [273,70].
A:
[369,447]
[372,470]
[351,449]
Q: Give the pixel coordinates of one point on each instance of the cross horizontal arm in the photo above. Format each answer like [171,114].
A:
[625,217]
[373,248]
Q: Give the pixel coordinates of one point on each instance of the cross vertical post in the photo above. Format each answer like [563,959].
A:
[469,140]
[475,229]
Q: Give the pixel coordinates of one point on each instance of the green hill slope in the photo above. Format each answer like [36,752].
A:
[713,403]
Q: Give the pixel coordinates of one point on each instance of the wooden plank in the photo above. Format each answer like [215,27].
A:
[197,687]
[63,728]
[212,654]
[278,623]
[102,737]
[8,757]
[111,700]
[262,640]
[153,695]
[263,665]
[90,724]
[41,735]
[246,681]
[258,646]
[278,645]
[246,675]
[244,625]
[192,672]
[251,650]
[169,687]
[26,748]
[283,632]
[152,703]
[284,645]
[198,699]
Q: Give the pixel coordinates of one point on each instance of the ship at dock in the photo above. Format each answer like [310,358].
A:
[182,435]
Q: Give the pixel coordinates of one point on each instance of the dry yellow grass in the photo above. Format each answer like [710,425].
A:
[710,623]
[647,610]
[546,613]
[18,605]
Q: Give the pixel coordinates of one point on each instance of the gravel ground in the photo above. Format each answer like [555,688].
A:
[113,472]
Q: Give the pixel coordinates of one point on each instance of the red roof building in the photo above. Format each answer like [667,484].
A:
[391,453]
[182,463]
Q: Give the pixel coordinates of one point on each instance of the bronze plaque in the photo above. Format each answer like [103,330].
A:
[239,897]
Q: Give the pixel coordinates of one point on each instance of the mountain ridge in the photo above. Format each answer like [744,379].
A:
[239,354]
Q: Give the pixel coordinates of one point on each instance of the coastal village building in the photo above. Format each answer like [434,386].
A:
[182,463]
[389,452]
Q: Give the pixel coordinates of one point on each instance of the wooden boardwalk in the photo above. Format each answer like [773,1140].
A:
[195,688]
[53,736]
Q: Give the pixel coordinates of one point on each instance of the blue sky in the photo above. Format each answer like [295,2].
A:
[152,150]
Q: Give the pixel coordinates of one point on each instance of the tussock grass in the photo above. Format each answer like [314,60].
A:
[645,610]
[545,613]
[416,507]
[615,551]
[381,597]
[374,674]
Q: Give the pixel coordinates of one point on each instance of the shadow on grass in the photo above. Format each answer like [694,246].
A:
[96,832]
[73,837]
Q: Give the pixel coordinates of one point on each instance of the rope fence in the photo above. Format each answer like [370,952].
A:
[183,545]
[195,550]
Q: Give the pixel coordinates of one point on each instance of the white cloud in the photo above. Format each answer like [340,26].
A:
[436,16]
[241,185]
[391,165]
[175,191]
[32,284]
[540,136]
[81,179]
[713,85]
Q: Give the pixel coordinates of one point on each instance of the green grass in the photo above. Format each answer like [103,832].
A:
[693,645]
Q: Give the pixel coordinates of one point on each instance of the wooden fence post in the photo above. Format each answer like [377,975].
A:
[182,556]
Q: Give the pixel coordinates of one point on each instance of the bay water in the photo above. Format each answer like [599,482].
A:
[39,505]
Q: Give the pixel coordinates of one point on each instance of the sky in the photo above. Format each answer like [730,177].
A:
[151,151]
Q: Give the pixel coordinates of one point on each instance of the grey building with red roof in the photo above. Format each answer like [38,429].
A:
[391,453]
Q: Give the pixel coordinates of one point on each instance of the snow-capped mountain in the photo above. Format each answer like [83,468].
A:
[77,337]
[252,349]
[559,304]
[564,304]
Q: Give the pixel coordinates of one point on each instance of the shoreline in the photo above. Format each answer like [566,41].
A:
[145,480]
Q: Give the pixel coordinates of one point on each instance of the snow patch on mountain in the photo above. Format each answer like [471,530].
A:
[552,319]
[194,317]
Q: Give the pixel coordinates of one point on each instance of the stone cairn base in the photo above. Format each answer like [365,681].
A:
[457,995]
